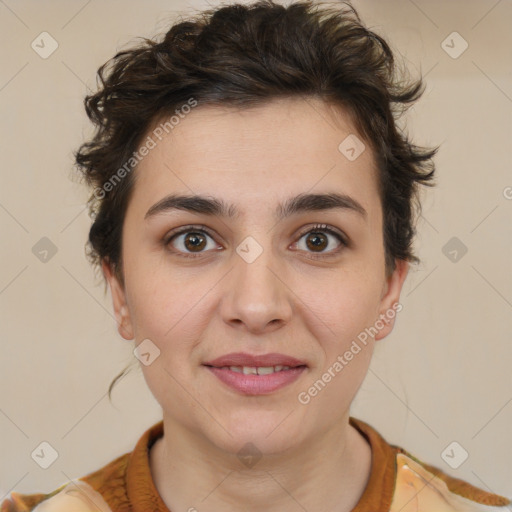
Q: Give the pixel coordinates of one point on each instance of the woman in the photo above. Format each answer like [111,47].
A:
[253,218]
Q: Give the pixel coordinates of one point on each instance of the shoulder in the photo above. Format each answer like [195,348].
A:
[104,490]
[76,495]
[421,486]
[407,484]
[91,493]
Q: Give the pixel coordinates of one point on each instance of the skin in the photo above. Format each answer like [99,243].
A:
[196,309]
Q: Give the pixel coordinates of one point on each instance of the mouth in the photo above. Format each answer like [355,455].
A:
[257,370]
[266,361]
[256,375]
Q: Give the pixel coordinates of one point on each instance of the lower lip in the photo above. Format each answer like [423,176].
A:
[257,384]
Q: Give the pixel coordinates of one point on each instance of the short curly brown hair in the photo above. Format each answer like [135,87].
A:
[244,55]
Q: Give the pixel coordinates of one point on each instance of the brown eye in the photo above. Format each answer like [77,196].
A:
[194,241]
[189,241]
[316,240]
[320,241]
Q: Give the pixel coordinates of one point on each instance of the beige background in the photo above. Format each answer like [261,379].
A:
[443,375]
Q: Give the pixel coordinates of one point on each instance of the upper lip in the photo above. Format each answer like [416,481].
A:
[243,359]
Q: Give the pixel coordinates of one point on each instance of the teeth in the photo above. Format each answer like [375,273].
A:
[265,370]
[253,370]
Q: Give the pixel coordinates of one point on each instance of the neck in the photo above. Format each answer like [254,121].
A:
[331,473]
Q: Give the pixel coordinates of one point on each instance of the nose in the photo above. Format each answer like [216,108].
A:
[256,296]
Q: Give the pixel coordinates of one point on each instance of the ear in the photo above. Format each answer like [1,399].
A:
[390,305]
[121,311]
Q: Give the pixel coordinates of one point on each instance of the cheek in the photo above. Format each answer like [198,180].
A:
[161,312]
[172,309]
[340,319]
[153,291]
[344,306]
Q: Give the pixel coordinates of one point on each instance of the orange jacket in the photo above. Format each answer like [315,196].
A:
[398,482]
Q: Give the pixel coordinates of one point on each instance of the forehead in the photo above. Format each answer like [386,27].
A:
[272,151]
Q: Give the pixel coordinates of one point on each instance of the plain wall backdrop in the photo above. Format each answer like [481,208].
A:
[443,375]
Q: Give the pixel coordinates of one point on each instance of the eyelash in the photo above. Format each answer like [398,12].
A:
[324,228]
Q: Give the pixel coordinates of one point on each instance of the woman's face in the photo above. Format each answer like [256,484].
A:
[262,281]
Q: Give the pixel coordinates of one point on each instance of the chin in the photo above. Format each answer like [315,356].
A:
[269,435]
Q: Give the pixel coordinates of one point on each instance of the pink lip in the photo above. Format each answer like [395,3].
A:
[256,384]
[243,359]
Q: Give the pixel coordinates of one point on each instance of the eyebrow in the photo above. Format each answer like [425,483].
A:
[292,206]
